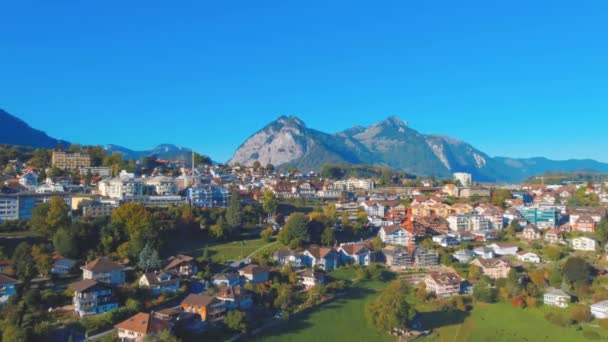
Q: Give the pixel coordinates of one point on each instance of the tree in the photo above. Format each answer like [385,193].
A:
[256,165]
[330,213]
[234,214]
[576,271]
[295,232]
[269,167]
[553,253]
[236,320]
[266,234]
[43,260]
[285,300]
[328,237]
[65,243]
[601,231]
[148,259]
[218,230]
[163,336]
[57,216]
[135,219]
[474,272]
[377,243]
[38,220]
[391,310]
[269,203]
[513,228]
[23,263]
[484,293]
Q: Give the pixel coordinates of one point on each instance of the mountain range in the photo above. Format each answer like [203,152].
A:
[14,131]
[287,141]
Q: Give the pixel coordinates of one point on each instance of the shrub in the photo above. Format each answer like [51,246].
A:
[558,319]
[581,313]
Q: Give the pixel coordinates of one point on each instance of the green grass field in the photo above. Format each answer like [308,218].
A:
[340,320]
[499,322]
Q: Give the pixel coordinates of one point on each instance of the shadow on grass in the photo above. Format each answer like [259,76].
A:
[438,319]
[300,321]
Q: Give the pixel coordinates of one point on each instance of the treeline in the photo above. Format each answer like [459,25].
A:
[343,171]
[557,178]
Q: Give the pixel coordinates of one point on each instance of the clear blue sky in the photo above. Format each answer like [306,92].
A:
[513,79]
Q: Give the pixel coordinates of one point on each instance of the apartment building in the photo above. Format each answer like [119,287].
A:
[70,161]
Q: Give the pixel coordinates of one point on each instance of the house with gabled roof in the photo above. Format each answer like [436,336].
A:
[556,297]
[104,270]
[311,278]
[209,308]
[494,268]
[181,265]
[234,297]
[528,257]
[159,282]
[325,258]
[395,235]
[254,274]
[355,253]
[92,297]
[137,327]
[443,284]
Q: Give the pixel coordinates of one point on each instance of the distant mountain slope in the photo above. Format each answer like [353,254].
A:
[163,151]
[391,142]
[14,131]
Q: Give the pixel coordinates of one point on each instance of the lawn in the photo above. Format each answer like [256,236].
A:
[341,320]
[498,322]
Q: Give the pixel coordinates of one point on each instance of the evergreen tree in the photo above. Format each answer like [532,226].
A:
[328,236]
[234,214]
[148,259]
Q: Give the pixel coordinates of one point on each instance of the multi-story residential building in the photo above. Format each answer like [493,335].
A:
[528,257]
[469,222]
[584,243]
[543,218]
[104,270]
[136,328]
[352,184]
[209,308]
[493,268]
[97,209]
[503,248]
[465,179]
[92,297]
[395,235]
[154,201]
[208,196]
[163,186]
[101,171]
[399,258]
[9,208]
[556,297]
[595,213]
[121,187]
[70,161]
[443,284]
[374,209]
[7,288]
[469,192]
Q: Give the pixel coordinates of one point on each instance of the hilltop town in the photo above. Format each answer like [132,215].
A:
[101,248]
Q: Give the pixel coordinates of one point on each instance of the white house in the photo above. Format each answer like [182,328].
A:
[504,248]
[463,256]
[584,243]
[600,309]
[528,257]
[394,235]
[484,252]
[556,297]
